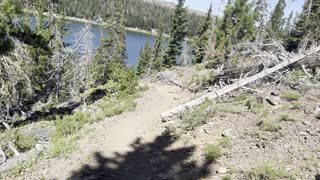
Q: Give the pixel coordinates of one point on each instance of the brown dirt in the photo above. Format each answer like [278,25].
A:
[133,145]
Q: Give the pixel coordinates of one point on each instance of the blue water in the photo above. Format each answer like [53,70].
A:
[135,40]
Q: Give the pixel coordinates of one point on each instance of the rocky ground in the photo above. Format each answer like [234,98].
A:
[262,133]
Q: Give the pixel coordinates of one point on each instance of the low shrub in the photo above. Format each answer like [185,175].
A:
[268,173]
[213,152]
[291,96]
[270,126]
[25,142]
[198,116]
[225,142]
[226,177]
[285,117]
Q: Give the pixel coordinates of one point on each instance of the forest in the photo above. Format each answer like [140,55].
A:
[44,79]
[139,14]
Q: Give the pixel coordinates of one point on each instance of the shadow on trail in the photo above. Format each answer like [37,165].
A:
[148,161]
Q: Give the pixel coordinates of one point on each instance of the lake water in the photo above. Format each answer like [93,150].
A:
[135,40]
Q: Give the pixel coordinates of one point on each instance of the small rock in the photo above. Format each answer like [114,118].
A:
[275,92]
[303,133]
[222,170]
[317,111]
[203,131]
[308,123]
[40,147]
[227,133]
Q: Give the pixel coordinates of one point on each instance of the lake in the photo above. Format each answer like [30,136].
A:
[135,40]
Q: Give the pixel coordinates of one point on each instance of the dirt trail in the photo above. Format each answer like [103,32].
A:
[116,135]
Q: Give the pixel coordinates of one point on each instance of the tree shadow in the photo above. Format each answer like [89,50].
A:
[148,161]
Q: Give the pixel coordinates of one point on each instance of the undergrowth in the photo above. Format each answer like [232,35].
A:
[213,152]
[269,172]
[197,116]
[68,128]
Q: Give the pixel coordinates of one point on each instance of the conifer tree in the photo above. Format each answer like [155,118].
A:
[277,20]
[200,42]
[144,60]
[236,26]
[306,27]
[113,47]
[288,25]
[157,61]
[177,34]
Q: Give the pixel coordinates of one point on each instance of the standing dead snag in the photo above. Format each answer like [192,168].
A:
[166,116]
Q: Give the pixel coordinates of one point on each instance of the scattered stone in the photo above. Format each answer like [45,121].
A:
[203,131]
[303,133]
[262,145]
[227,133]
[308,123]
[275,92]
[222,170]
[40,147]
[317,111]
[44,134]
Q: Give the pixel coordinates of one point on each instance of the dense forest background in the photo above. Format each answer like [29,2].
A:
[140,14]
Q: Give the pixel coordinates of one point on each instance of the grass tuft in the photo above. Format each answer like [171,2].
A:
[213,152]
[198,116]
[291,96]
[270,125]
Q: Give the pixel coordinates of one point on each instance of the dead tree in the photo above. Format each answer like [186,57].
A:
[241,83]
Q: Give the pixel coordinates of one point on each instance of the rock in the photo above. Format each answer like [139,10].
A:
[272,101]
[308,123]
[312,93]
[303,133]
[222,170]
[317,111]
[227,133]
[275,92]
[40,147]
[203,131]
[44,134]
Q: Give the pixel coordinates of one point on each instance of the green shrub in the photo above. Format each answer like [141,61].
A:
[266,173]
[213,152]
[285,117]
[295,76]
[67,128]
[270,125]
[25,142]
[225,142]
[71,123]
[242,97]
[226,177]
[291,96]
[198,116]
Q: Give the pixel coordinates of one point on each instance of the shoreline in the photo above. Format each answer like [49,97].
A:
[131,29]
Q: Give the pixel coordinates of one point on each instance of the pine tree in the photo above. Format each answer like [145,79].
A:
[288,24]
[307,26]
[177,34]
[144,60]
[236,26]
[277,20]
[156,64]
[113,47]
[200,42]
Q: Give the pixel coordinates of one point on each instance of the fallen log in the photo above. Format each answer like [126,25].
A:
[307,62]
[166,116]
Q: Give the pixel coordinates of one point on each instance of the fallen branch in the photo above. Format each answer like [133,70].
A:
[166,116]
[306,62]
